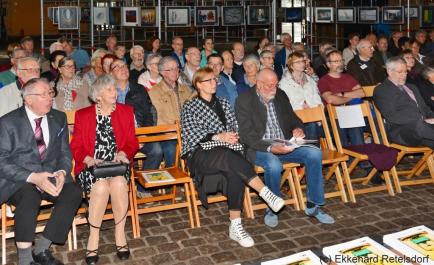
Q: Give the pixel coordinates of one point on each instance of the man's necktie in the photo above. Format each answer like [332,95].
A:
[409,92]
[42,148]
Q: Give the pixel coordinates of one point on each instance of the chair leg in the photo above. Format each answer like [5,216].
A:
[347,181]
[298,189]
[133,208]
[194,203]
[418,166]
[430,162]
[74,234]
[70,240]
[388,183]
[395,178]
[340,184]
[292,188]
[3,214]
[189,206]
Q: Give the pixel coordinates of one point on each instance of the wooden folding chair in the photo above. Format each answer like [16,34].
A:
[424,162]
[369,91]
[359,157]
[157,134]
[330,157]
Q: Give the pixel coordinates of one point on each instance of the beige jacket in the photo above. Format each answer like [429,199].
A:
[166,103]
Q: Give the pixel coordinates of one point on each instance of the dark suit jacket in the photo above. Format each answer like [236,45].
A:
[138,98]
[280,62]
[402,113]
[238,73]
[19,155]
[175,56]
[252,118]
[426,89]
[83,141]
[366,73]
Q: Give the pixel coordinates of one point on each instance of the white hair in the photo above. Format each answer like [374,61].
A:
[54,47]
[393,62]
[102,82]
[134,48]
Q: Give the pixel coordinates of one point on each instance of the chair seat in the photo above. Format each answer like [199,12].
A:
[259,169]
[409,149]
[355,154]
[179,176]
[333,156]
[139,155]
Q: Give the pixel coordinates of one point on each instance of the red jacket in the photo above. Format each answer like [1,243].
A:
[83,140]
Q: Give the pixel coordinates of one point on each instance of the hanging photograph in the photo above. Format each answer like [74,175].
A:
[206,16]
[85,14]
[293,14]
[114,16]
[148,17]
[324,14]
[55,15]
[368,15]
[177,16]
[50,13]
[232,15]
[427,17]
[393,14]
[346,15]
[68,17]
[414,12]
[100,15]
[258,15]
[131,16]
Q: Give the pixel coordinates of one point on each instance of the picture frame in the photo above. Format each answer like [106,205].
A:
[50,13]
[100,15]
[114,16]
[131,16]
[85,14]
[55,15]
[393,15]
[258,15]
[427,16]
[233,15]
[368,15]
[324,14]
[414,12]
[294,14]
[148,16]
[346,15]
[206,16]
[68,17]
[178,16]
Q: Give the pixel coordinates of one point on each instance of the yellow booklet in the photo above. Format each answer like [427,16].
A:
[158,176]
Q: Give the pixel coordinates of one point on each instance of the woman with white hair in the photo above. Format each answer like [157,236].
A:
[251,65]
[96,66]
[151,77]
[104,132]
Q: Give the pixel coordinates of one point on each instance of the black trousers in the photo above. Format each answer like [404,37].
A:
[421,134]
[232,165]
[27,201]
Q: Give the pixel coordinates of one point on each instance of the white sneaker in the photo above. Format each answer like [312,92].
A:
[274,202]
[237,233]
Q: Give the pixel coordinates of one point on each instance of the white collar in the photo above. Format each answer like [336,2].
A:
[32,116]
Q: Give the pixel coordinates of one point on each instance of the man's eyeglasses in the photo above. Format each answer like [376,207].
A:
[43,95]
[119,67]
[337,61]
[69,67]
[171,70]
[215,79]
[30,70]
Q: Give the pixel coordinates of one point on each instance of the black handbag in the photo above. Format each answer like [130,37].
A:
[108,169]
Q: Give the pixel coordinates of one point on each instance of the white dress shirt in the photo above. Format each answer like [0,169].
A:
[44,125]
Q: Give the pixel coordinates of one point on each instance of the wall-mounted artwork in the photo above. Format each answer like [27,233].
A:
[206,16]
[178,16]
[393,15]
[427,16]
[68,17]
[324,14]
[346,15]
[368,15]
[258,15]
[114,16]
[55,15]
[131,16]
[414,12]
[100,15]
[148,17]
[294,14]
[232,15]
[85,14]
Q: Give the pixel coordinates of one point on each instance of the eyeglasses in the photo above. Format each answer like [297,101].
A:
[171,70]
[69,67]
[30,70]
[337,61]
[43,95]
[215,79]
[119,67]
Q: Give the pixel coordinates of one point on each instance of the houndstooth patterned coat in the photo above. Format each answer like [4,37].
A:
[198,120]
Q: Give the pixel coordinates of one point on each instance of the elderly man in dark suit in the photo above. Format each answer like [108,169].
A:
[264,114]
[408,119]
[35,164]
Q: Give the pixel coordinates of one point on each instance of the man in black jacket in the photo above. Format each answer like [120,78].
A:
[408,120]
[265,114]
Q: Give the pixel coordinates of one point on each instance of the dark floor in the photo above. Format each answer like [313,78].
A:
[167,239]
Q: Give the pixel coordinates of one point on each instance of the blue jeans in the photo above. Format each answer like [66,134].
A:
[311,157]
[154,155]
[351,136]
[313,131]
[169,149]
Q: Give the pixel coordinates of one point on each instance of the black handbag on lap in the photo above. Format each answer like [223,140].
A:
[108,169]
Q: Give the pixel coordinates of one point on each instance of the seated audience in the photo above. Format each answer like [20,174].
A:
[120,52]
[208,49]
[104,132]
[309,69]
[298,47]
[426,87]
[54,59]
[251,66]
[80,56]
[70,90]
[363,68]
[228,66]
[153,46]
[372,38]
[238,51]
[413,69]
[394,48]
[381,54]
[270,47]
[301,90]
[151,77]
[349,52]
[211,146]
[55,46]
[11,47]
[27,44]
[10,76]
[264,113]
[96,67]
[192,65]
[178,51]
[106,62]
[111,43]
[421,59]
[225,88]
[36,166]
[319,61]
[409,121]
[262,42]
[267,60]
[282,55]
[421,37]
[137,67]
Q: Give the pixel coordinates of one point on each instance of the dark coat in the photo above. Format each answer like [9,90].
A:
[366,73]
[144,111]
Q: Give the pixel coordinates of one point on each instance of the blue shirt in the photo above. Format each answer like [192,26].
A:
[122,94]
[81,58]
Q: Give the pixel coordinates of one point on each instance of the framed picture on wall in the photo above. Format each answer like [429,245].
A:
[206,16]
[148,16]
[346,15]
[368,15]
[131,16]
[114,16]
[258,15]
[393,15]
[427,17]
[85,14]
[414,12]
[232,15]
[55,15]
[294,14]
[50,13]
[100,15]
[178,16]
[324,14]
[68,17]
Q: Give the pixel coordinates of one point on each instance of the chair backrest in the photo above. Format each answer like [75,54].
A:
[369,91]
[381,127]
[70,117]
[317,114]
[366,112]
[161,133]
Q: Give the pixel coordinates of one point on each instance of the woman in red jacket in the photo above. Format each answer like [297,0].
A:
[104,132]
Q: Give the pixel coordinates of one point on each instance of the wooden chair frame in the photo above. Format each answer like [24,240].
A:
[330,157]
[157,134]
[358,157]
